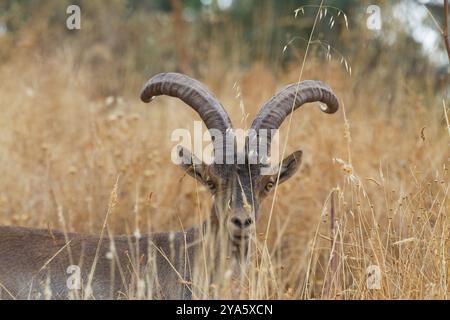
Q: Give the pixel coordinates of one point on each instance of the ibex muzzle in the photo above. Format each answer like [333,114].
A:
[33,263]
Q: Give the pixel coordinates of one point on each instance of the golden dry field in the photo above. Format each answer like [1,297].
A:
[373,189]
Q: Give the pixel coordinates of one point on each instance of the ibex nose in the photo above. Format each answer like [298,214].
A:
[242,222]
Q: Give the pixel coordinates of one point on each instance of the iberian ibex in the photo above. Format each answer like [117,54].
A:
[34,263]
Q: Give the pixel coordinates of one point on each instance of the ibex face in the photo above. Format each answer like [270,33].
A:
[238,188]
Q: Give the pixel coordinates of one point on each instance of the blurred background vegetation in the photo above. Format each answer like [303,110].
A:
[191,36]
[71,122]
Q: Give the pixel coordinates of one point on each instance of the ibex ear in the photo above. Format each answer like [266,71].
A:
[190,163]
[290,165]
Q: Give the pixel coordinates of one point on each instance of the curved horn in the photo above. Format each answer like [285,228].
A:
[199,98]
[275,111]
[191,92]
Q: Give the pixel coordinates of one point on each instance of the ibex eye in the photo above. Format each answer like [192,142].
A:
[211,185]
[269,186]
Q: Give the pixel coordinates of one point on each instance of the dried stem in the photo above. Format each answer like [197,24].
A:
[445,29]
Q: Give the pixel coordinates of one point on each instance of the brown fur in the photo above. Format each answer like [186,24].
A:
[29,257]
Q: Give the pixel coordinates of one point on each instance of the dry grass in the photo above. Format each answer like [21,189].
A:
[383,163]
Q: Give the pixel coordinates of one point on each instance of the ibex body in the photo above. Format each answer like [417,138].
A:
[33,263]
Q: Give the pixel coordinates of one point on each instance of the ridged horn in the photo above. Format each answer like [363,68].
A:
[288,99]
[198,97]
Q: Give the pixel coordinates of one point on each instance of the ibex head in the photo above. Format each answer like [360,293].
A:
[234,179]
